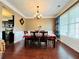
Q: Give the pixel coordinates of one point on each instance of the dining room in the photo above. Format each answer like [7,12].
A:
[39,29]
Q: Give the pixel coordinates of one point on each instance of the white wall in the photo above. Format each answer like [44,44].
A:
[69,27]
[73,43]
[18,28]
[0,22]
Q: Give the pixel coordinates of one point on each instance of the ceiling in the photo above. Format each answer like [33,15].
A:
[47,8]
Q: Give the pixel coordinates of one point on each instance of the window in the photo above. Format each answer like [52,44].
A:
[69,23]
[77,30]
[71,31]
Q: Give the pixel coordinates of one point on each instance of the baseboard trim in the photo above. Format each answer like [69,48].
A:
[68,47]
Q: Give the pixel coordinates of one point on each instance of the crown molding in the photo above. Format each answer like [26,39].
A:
[12,7]
[17,11]
[67,7]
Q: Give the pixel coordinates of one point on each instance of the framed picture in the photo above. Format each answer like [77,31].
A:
[21,21]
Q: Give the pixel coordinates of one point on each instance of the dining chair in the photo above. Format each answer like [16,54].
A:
[34,38]
[43,37]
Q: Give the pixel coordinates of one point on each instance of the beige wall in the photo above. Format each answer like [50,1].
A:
[17,23]
[32,24]
[47,24]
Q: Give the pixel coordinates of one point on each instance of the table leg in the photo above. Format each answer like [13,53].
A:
[39,43]
[25,42]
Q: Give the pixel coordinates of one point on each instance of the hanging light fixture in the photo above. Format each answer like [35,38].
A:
[37,15]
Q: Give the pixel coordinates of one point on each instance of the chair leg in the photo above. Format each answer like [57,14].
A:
[46,43]
[39,43]
[54,43]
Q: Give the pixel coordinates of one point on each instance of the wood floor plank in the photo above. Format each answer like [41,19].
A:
[18,51]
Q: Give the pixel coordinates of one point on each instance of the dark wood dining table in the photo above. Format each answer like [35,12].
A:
[49,37]
[35,35]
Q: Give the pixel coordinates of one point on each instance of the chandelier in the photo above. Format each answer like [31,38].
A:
[37,15]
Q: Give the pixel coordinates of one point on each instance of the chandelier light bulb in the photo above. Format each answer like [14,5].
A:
[37,14]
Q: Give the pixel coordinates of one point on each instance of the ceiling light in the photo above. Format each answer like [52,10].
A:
[59,6]
[37,14]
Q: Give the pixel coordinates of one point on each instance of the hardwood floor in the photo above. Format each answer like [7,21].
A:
[18,51]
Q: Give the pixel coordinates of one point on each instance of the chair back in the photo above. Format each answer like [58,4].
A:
[44,33]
